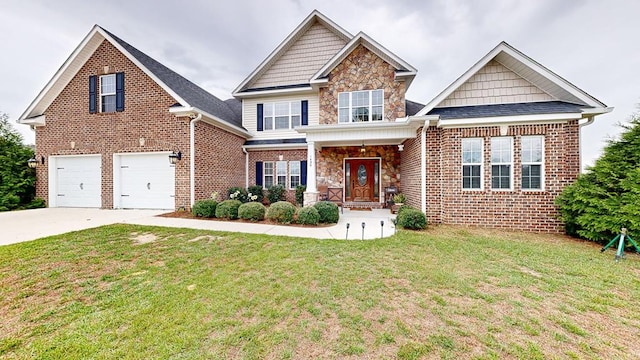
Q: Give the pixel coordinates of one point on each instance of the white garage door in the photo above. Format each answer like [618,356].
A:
[78,181]
[147,181]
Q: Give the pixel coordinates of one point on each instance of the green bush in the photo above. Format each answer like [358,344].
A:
[228,209]
[37,203]
[256,190]
[281,212]
[403,208]
[300,189]
[276,193]
[253,211]
[412,219]
[329,212]
[205,208]
[237,193]
[17,180]
[308,216]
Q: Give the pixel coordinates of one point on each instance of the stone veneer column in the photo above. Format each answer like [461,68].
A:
[311,194]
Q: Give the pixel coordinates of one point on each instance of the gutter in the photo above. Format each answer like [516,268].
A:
[246,166]
[423,167]
[192,160]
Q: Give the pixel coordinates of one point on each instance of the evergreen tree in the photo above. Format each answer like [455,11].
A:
[607,197]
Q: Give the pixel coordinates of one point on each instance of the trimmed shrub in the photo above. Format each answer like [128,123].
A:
[237,193]
[281,212]
[253,211]
[300,189]
[276,193]
[412,219]
[329,212]
[205,208]
[228,209]
[308,216]
[256,190]
[404,207]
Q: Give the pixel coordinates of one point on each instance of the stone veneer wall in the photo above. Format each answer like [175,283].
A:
[330,164]
[362,70]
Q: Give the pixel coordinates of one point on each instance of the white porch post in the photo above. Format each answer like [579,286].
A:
[311,195]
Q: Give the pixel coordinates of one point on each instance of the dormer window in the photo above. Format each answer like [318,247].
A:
[359,106]
[108,93]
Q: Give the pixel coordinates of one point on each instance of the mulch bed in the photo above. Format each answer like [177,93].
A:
[188,215]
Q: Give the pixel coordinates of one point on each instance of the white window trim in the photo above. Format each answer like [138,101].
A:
[286,173]
[350,107]
[481,163]
[272,105]
[272,174]
[101,94]
[291,174]
[511,170]
[541,163]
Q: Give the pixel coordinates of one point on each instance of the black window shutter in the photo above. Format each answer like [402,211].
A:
[305,112]
[93,80]
[120,91]
[260,123]
[303,172]
[259,173]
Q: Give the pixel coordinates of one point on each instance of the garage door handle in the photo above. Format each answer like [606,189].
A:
[81,188]
[148,186]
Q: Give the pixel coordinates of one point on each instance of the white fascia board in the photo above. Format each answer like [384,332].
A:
[34,121]
[597,111]
[509,120]
[405,122]
[461,80]
[275,147]
[315,14]
[211,119]
[369,43]
[144,69]
[261,93]
[65,66]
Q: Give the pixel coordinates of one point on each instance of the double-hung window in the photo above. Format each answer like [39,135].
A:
[108,93]
[281,115]
[281,173]
[532,162]
[472,163]
[501,163]
[294,174]
[268,174]
[358,106]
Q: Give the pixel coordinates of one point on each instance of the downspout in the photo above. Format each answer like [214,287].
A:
[246,166]
[192,159]
[423,167]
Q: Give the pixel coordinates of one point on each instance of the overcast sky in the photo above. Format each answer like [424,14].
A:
[216,44]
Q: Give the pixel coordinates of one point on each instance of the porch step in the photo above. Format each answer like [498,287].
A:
[362,205]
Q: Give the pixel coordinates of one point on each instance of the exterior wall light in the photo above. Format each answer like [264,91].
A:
[362,149]
[175,157]
[33,163]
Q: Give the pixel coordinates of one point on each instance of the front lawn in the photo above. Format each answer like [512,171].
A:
[136,292]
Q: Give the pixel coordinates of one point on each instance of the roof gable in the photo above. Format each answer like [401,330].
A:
[402,67]
[186,93]
[297,45]
[527,69]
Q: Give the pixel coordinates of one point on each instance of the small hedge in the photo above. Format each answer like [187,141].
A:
[228,209]
[205,208]
[300,189]
[281,212]
[308,216]
[411,218]
[253,211]
[276,193]
[256,190]
[329,212]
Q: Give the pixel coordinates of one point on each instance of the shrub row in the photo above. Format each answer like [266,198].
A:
[281,211]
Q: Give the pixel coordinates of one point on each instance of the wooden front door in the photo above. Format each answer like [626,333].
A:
[361,179]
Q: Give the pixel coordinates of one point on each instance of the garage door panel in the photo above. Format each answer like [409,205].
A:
[78,181]
[147,181]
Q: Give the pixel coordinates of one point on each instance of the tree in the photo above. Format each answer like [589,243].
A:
[17,180]
[607,197]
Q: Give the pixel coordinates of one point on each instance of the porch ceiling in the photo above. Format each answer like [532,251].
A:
[356,134]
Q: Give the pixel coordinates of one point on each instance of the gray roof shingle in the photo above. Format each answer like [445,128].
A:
[412,107]
[532,108]
[190,92]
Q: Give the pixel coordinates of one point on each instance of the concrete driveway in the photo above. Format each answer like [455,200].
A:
[25,225]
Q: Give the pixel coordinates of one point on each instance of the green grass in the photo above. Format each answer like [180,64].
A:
[136,292]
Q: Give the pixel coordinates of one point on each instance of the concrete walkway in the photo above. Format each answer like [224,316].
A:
[26,225]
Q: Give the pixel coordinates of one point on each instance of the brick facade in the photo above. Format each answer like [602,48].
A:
[362,70]
[274,155]
[448,203]
[71,130]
